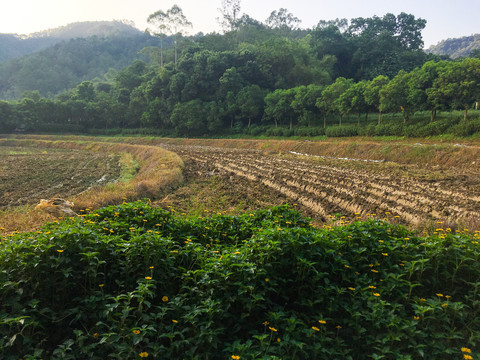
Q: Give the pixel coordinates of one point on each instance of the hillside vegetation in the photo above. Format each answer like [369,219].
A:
[342,78]
[15,45]
[456,47]
[68,63]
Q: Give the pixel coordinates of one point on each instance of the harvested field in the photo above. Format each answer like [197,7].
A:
[413,184]
[354,189]
[29,174]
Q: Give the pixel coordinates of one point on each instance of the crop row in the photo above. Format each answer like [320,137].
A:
[327,189]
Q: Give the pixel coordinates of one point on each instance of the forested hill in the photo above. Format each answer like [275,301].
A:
[68,63]
[457,47]
[14,45]
[89,28]
[278,55]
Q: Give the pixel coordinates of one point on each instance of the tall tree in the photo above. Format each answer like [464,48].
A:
[278,107]
[251,103]
[396,95]
[457,85]
[173,23]
[159,20]
[330,99]
[230,11]
[353,100]
[327,41]
[282,19]
[372,93]
[385,45]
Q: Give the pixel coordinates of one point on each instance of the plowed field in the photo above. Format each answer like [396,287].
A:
[354,189]
[30,174]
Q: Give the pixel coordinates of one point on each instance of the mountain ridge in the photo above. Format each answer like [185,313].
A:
[456,47]
[17,45]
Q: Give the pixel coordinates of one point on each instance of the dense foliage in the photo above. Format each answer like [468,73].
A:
[134,281]
[61,67]
[272,78]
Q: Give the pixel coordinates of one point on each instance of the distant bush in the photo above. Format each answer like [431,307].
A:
[340,131]
[466,128]
[278,131]
[59,128]
[309,131]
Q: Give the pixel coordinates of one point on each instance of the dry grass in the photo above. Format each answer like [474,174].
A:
[441,154]
[159,170]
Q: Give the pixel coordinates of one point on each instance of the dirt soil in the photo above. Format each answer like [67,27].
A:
[226,179]
[208,190]
[30,174]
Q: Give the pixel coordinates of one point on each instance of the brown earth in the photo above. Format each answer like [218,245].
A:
[30,174]
[226,178]
[416,183]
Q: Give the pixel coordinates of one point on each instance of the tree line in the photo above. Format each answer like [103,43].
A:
[255,75]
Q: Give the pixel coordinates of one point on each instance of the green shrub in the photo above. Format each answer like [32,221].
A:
[132,279]
[341,131]
[389,129]
[309,131]
[466,128]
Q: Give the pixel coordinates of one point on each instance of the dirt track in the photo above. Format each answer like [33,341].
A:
[355,189]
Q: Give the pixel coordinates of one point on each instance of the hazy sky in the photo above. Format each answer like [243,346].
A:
[445,18]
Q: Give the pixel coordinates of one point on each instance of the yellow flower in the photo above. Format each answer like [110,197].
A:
[151,267]
[265,323]
[385,254]
[148,278]
[95,335]
[101,285]
[322,321]
[376,294]
[174,321]
[136,332]
[439,295]
[338,327]
[315,328]
[422,299]
[272,329]
[374,271]
[351,288]
[278,340]
[235,357]
[466,350]
[372,287]
[165,298]
[416,317]
[143,354]
[267,279]
[60,251]
[467,357]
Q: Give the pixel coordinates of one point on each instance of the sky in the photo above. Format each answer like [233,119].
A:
[445,18]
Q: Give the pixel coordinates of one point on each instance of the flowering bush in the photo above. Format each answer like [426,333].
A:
[133,281]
